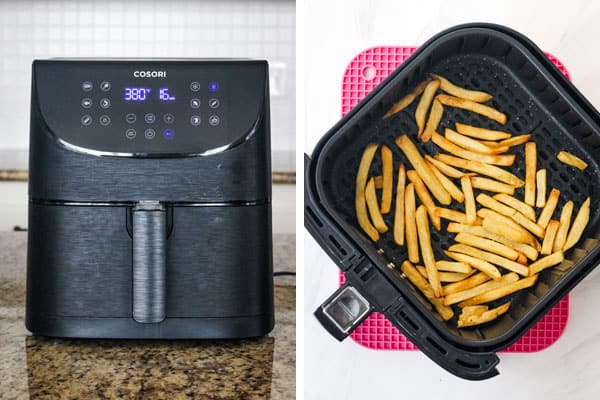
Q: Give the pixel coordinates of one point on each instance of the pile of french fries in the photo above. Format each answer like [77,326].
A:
[497,249]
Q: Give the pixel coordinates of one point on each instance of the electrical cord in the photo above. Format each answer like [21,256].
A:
[284,273]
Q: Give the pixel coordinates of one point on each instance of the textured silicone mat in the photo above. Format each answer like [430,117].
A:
[363,74]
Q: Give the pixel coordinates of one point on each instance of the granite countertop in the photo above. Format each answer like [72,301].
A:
[43,368]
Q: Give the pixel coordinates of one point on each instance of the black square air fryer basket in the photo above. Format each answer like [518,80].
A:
[537,99]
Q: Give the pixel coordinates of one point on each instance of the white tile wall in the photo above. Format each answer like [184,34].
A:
[118,28]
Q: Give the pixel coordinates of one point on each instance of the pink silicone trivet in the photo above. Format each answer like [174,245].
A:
[365,72]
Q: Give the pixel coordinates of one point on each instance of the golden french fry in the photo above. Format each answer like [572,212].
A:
[453,266]
[454,191]
[530,167]
[480,289]
[424,104]
[480,231]
[407,100]
[471,144]
[416,279]
[517,204]
[514,141]
[522,259]
[548,209]
[481,133]
[481,265]
[465,284]
[360,202]
[427,251]
[504,226]
[579,223]
[540,198]
[450,88]
[491,185]
[472,319]
[469,105]
[449,214]
[444,168]
[388,179]
[412,241]
[473,310]
[435,116]
[470,209]
[546,262]
[487,245]
[373,206]
[446,276]
[513,214]
[548,242]
[425,198]
[491,258]
[563,229]
[481,168]
[445,144]
[502,291]
[422,168]
[399,213]
[572,160]
[378,181]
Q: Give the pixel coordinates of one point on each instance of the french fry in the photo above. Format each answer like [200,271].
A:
[378,181]
[581,220]
[407,100]
[491,185]
[546,262]
[490,257]
[450,88]
[516,216]
[424,103]
[422,168]
[517,204]
[473,310]
[445,144]
[572,160]
[548,209]
[373,207]
[412,241]
[481,133]
[454,191]
[563,229]
[472,319]
[416,279]
[453,266]
[527,250]
[435,116]
[469,105]
[388,179]
[445,276]
[449,214]
[514,141]
[444,168]
[540,198]
[425,198]
[487,245]
[476,263]
[399,213]
[470,209]
[427,251]
[472,144]
[481,168]
[480,289]
[502,291]
[504,226]
[548,242]
[530,167]
[360,202]
[465,284]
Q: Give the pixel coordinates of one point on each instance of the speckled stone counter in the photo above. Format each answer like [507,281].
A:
[42,368]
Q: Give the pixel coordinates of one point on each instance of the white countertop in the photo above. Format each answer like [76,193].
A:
[335,32]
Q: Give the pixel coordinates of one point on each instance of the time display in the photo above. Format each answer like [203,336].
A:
[145,93]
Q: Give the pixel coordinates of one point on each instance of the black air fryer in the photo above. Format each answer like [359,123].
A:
[150,199]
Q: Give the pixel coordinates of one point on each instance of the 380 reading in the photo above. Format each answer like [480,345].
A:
[142,94]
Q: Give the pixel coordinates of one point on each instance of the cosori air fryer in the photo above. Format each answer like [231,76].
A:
[150,199]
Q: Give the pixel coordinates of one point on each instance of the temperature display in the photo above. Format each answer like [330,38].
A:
[164,95]
[136,93]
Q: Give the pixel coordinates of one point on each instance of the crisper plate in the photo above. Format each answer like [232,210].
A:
[364,73]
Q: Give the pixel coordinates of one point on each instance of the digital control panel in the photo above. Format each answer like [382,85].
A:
[151,108]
